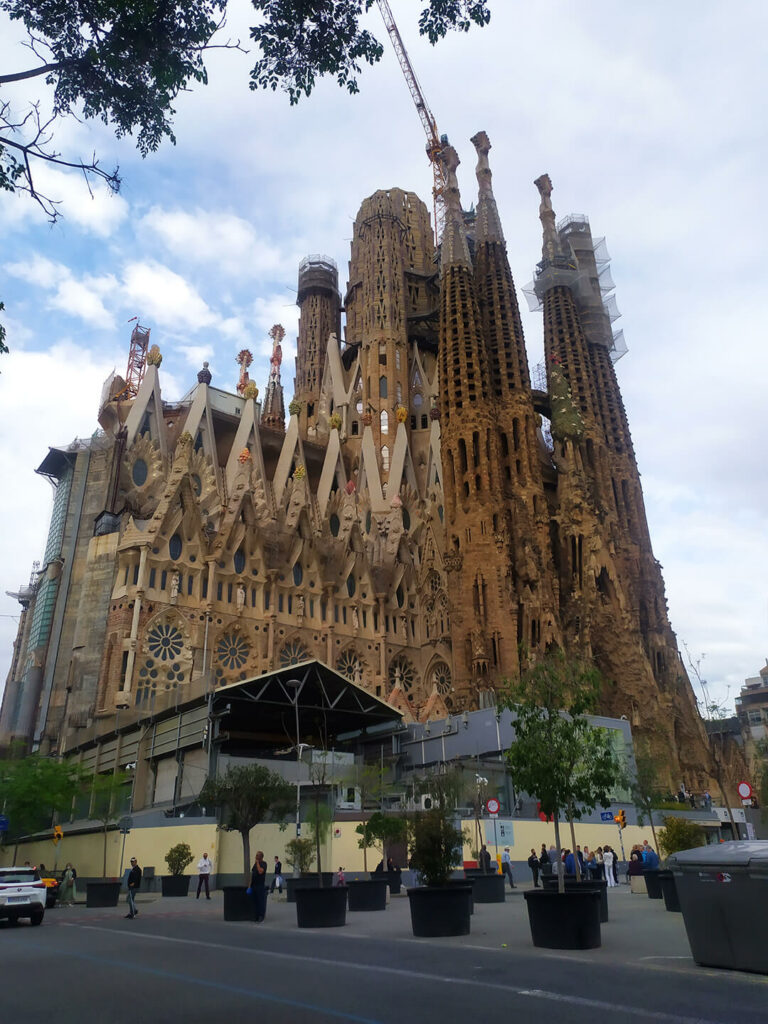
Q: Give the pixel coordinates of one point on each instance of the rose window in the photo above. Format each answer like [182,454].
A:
[232,651]
[165,642]
[441,678]
[402,671]
[293,653]
[350,665]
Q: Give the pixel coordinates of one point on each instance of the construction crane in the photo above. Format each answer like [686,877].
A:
[434,141]
[137,360]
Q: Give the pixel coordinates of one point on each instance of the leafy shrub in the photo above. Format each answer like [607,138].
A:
[178,857]
[679,834]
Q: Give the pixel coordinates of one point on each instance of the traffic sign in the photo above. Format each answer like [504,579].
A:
[744,790]
[606,815]
[492,805]
[3,823]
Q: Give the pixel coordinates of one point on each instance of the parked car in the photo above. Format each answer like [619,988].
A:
[51,890]
[22,894]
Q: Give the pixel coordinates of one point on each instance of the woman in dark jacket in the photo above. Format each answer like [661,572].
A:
[258,888]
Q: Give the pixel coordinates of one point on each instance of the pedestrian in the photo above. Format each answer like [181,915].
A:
[258,886]
[485,859]
[277,881]
[707,800]
[599,862]
[533,864]
[134,881]
[506,867]
[204,869]
[67,886]
[608,860]
[545,864]
[339,880]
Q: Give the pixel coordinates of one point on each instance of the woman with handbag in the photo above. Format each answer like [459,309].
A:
[258,888]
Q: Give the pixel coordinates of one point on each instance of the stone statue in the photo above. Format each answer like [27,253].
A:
[551,246]
[300,608]
[355,618]
[240,598]
[175,580]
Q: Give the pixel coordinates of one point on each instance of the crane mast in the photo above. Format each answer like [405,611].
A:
[434,145]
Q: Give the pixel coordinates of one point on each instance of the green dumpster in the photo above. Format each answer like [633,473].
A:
[723,893]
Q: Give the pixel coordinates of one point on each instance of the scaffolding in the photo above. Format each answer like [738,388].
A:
[587,271]
[137,361]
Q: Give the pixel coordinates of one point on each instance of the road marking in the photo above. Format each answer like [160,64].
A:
[540,994]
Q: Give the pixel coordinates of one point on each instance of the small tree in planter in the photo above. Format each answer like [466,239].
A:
[435,847]
[646,791]
[178,858]
[247,795]
[299,854]
[380,828]
[557,755]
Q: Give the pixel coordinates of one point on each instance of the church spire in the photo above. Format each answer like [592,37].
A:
[454,249]
[488,224]
[273,413]
[551,247]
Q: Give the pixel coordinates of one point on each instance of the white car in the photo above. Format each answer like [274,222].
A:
[22,894]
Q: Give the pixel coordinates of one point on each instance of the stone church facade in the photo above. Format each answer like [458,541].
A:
[426,521]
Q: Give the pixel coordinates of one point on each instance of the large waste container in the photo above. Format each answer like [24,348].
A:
[723,892]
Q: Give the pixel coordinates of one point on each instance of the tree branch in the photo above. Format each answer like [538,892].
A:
[21,76]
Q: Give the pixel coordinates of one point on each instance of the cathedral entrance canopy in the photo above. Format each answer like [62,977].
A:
[307,703]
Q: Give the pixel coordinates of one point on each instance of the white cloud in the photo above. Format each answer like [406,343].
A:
[165,297]
[80,298]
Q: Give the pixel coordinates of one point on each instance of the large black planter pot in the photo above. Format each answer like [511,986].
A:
[238,905]
[465,881]
[652,883]
[306,882]
[367,895]
[102,894]
[440,911]
[488,889]
[321,908]
[568,920]
[175,885]
[478,872]
[669,891]
[598,884]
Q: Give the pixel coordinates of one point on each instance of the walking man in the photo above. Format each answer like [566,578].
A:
[506,867]
[204,869]
[134,881]
[533,864]
[278,878]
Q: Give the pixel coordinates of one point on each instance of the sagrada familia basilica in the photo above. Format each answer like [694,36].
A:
[426,521]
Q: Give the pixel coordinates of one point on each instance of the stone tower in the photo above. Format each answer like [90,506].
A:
[521,524]
[478,567]
[612,603]
[391,262]
[319,316]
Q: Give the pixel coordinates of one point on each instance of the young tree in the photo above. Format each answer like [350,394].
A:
[247,795]
[380,828]
[434,842]
[646,791]
[557,755]
[109,795]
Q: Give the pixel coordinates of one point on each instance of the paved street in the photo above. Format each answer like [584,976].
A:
[178,960]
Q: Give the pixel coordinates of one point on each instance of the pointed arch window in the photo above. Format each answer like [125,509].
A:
[384,422]
[382,387]
[385,458]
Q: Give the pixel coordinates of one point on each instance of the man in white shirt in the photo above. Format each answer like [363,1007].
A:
[506,866]
[204,869]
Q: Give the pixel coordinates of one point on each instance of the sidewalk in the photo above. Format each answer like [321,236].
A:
[639,930]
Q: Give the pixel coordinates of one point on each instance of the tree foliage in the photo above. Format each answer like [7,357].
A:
[300,42]
[178,858]
[247,795]
[36,788]
[558,756]
[679,834]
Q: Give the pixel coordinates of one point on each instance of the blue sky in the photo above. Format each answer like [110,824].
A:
[649,119]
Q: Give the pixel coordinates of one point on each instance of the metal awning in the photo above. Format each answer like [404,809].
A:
[304,703]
